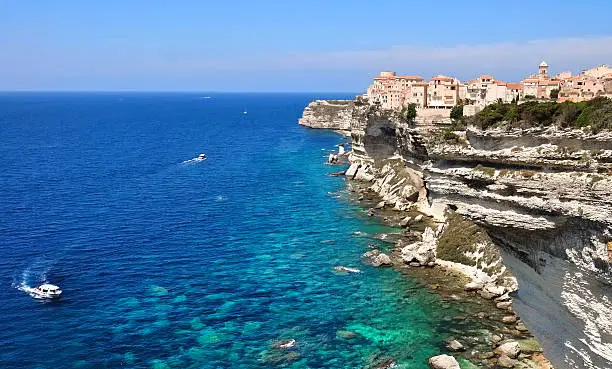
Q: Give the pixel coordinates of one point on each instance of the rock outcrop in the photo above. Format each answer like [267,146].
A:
[529,206]
[422,252]
[329,114]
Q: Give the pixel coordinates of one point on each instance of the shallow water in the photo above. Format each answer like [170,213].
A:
[174,264]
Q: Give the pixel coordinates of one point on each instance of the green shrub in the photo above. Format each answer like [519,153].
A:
[459,236]
[489,171]
[554,93]
[457,112]
[595,114]
[409,113]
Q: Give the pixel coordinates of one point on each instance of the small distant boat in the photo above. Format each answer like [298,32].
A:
[201,157]
[46,291]
[244,112]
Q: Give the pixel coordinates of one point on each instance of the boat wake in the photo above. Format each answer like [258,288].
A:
[198,159]
[33,275]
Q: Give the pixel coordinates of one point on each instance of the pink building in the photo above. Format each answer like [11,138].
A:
[587,85]
[393,91]
[443,92]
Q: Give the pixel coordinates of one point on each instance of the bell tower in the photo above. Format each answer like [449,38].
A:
[543,70]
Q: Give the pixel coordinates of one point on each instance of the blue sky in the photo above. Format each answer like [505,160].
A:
[287,45]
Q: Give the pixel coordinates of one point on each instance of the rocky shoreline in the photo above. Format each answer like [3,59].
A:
[502,340]
[478,202]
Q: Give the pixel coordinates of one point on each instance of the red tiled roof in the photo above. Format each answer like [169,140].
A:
[411,77]
[486,77]
[420,84]
[500,83]
[514,86]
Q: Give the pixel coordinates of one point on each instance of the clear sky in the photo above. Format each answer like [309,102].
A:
[289,45]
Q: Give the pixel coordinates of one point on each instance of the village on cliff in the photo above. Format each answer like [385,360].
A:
[442,93]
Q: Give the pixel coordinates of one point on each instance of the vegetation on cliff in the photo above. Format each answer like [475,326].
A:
[461,241]
[595,115]
[409,113]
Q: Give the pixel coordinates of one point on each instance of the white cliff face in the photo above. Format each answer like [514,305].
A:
[542,196]
[334,114]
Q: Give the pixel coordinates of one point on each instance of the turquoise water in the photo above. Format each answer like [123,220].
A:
[174,264]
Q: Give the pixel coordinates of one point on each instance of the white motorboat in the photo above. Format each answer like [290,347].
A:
[201,157]
[46,291]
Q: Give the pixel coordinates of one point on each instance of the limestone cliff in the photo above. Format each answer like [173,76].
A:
[329,114]
[542,197]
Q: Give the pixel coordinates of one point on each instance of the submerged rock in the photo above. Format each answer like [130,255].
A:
[347,335]
[158,291]
[443,362]
[343,269]
[454,345]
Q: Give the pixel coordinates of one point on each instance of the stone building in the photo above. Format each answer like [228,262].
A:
[541,85]
[443,92]
[587,85]
[393,91]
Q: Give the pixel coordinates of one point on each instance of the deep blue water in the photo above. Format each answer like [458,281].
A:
[167,264]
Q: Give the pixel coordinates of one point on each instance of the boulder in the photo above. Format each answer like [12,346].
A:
[504,305]
[404,222]
[510,349]
[509,319]
[377,258]
[473,286]
[520,326]
[504,297]
[486,295]
[418,218]
[380,205]
[506,362]
[494,289]
[332,159]
[443,362]
[364,176]
[352,170]
[422,252]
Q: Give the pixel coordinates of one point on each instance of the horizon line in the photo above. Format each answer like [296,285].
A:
[179,91]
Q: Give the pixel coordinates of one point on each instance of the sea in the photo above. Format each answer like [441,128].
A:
[170,262]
